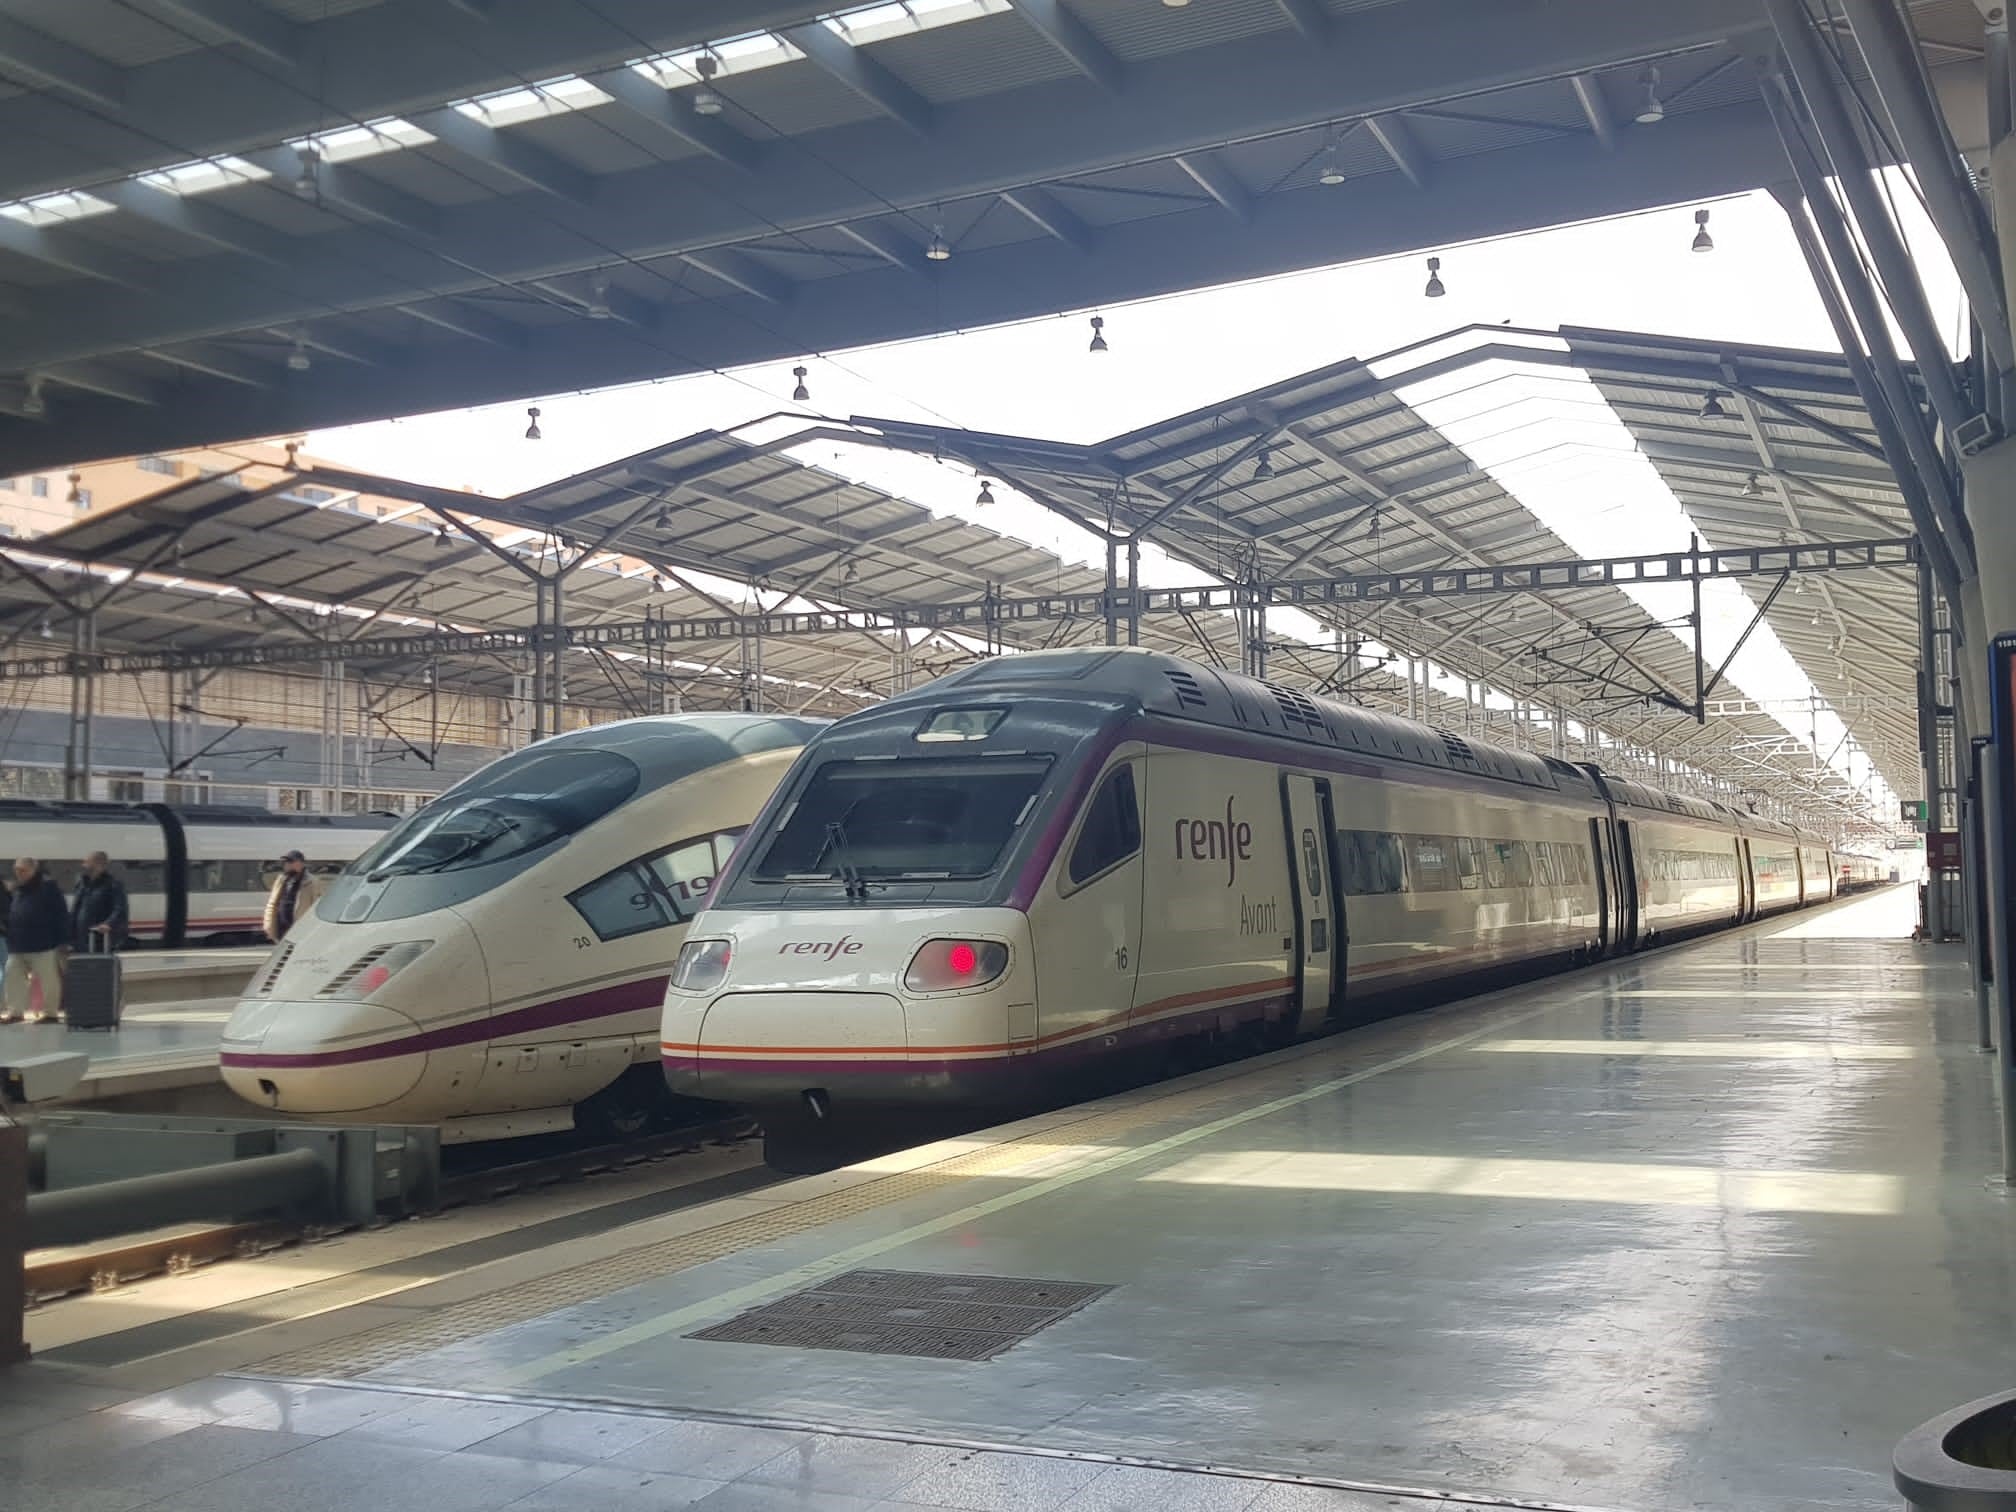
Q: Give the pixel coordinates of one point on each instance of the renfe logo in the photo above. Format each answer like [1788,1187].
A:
[830,950]
[1216,840]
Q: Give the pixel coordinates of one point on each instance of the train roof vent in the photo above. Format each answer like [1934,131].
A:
[262,984]
[1189,693]
[1298,710]
[1457,747]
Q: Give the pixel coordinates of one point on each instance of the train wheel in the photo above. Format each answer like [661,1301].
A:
[634,1104]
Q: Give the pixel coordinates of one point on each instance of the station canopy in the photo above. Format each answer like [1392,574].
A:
[722,571]
[228,218]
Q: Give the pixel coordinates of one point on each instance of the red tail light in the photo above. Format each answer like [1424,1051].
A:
[950,965]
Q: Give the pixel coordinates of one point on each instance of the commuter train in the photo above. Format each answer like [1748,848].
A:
[194,875]
[1046,859]
[1857,873]
[495,964]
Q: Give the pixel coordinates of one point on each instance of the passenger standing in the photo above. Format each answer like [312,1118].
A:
[38,932]
[294,893]
[98,911]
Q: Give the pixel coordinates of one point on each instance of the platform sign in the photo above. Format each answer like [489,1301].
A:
[1942,850]
[1911,810]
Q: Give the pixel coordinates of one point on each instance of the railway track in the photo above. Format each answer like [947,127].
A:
[54,1274]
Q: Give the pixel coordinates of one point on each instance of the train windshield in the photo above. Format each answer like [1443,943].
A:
[513,807]
[904,820]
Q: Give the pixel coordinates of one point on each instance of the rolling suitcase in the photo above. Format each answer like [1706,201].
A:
[94,989]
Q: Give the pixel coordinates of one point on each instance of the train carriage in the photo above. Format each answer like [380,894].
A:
[496,963]
[1046,858]
[194,874]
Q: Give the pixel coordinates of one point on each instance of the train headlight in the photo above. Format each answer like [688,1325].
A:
[702,965]
[373,970]
[953,965]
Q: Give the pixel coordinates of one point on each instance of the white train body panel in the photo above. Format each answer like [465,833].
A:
[1111,867]
[535,989]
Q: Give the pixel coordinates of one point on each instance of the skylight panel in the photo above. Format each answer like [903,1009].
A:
[55,209]
[205,175]
[507,107]
[346,144]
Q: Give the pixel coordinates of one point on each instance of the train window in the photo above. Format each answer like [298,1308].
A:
[512,806]
[1543,863]
[1379,865]
[623,902]
[910,819]
[685,874]
[1496,872]
[1430,868]
[1469,861]
[1112,829]
[139,876]
[1518,863]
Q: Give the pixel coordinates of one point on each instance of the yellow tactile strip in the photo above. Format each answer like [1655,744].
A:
[376,1349]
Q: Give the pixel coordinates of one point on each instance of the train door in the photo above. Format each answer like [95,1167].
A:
[1627,885]
[1600,866]
[1089,948]
[1305,806]
[1746,883]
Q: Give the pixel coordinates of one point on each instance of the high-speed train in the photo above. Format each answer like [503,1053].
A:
[194,875]
[495,964]
[1048,858]
[1856,873]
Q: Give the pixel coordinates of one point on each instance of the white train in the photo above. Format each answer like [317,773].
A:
[1856,873]
[1049,858]
[194,875]
[496,963]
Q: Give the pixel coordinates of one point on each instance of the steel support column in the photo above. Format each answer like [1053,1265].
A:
[1878,374]
[1928,746]
[1842,144]
[1927,142]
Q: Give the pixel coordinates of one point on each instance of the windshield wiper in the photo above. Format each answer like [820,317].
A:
[469,847]
[850,874]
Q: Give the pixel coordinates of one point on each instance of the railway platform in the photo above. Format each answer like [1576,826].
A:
[163,1056]
[1709,1228]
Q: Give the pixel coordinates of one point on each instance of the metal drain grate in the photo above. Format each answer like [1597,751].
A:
[917,1313]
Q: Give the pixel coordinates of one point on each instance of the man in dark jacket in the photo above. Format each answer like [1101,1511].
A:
[38,932]
[98,911]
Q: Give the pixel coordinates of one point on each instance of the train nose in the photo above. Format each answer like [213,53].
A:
[321,1057]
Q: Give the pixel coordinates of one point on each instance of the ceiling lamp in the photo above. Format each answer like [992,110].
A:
[1703,242]
[76,494]
[1752,489]
[986,493]
[707,99]
[308,182]
[1650,110]
[442,541]
[532,431]
[598,299]
[298,360]
[1711,406]
[1330,172]
[663,519]
[32,403]
[658,582]
[1175,4]
[1099,323]
[1263,466]
[940,250]
[1434,289]
[47,633]
[800,394]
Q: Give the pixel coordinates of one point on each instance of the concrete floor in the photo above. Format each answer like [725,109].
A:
[1707,1229]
